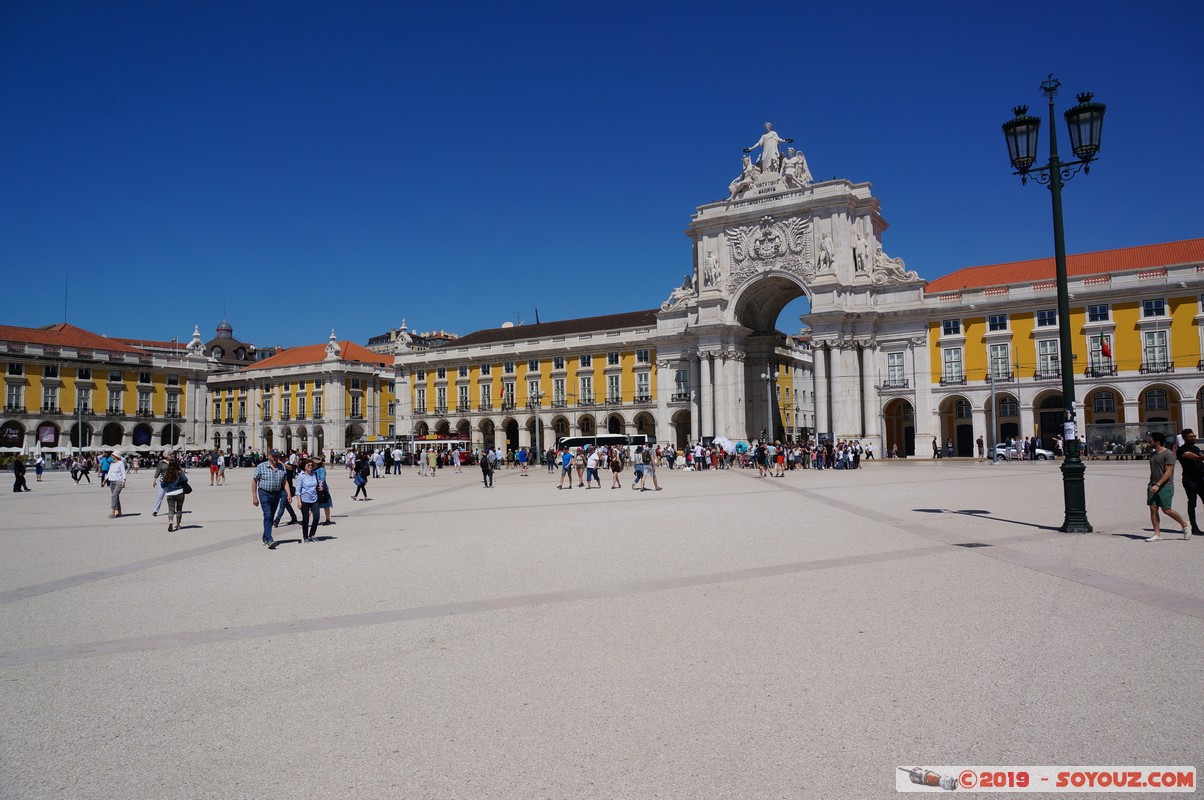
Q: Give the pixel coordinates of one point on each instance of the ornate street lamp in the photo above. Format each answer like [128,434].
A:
[1085,122]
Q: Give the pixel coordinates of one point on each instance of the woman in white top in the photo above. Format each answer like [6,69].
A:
[116,479]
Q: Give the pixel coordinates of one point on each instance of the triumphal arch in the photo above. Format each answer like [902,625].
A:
[778,235]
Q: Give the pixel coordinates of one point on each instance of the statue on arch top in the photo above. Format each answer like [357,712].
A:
[771,155]
[795,169]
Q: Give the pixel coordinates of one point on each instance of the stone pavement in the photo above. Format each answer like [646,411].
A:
[729,637]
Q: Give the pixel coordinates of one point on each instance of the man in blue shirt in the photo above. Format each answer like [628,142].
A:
[268,487]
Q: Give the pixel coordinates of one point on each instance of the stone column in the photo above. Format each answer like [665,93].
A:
[708,397]
[1189,414]
[845,382]
[524,436]
[1133,413]
[695,400]
[981,422]
[733,388]
[820,366]
[870,402]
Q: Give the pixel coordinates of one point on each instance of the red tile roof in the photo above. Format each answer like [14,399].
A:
[1124,259]
[65,335]
[316,353]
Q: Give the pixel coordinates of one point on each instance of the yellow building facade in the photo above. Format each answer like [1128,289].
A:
[68,389]
[1137,350]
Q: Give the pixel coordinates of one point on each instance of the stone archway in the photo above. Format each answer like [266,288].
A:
[645,424]
[488,433]
[1049,412]
[957,427]
[900,419]
[758,303]
[681,429]
[111,435]
[510,426]
[614,424]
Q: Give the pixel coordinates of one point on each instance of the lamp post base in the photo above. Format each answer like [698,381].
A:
[1074,496]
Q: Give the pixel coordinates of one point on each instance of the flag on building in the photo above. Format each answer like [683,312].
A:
[1104,348]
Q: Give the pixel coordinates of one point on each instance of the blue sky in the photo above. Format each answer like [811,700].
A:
[300,166]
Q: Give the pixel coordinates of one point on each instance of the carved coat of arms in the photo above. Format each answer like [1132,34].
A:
[769,245]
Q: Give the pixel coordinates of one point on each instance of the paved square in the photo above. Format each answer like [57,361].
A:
[729,637]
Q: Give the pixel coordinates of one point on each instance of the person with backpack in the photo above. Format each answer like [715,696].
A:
[487,469]
[361,473]
[648,461]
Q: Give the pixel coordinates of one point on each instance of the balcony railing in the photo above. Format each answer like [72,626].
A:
[316,415]
[485,407]
[266,417]
[896,383]
[463,408]
[355,415]
[614,400]
[533,404]
[1006,377]
[585,401]
[560,403]
[144,412]
[643,398]
[217,420]
[1100,371]
[115,412]
[51,410]
[14,409]
[174,415]
[1048,374]
[679,397]
[953,380]
[242,417]
[440,410]
[420,409]
[1156,367]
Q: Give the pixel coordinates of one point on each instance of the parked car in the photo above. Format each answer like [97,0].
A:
[1005,452]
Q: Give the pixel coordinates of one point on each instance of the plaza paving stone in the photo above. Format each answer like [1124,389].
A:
[728,637]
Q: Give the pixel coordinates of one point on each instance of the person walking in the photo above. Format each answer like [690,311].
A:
[362,471]
[616,467]
[290,475]
[173,485]
[566,468]
[308,486]
[116,480]
[1161,490]
[432,464]
[649,471]
[982,449]
[19,484]
[267,488]
[591,469]
[325,499]
[487,469]
[39,466]
[156,481]
[1193,475]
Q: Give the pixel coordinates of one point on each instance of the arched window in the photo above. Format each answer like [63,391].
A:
[1105,402]
[1155,400]
[961,409]
[1008,407]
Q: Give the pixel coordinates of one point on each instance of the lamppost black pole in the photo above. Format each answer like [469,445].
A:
[1085,122]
